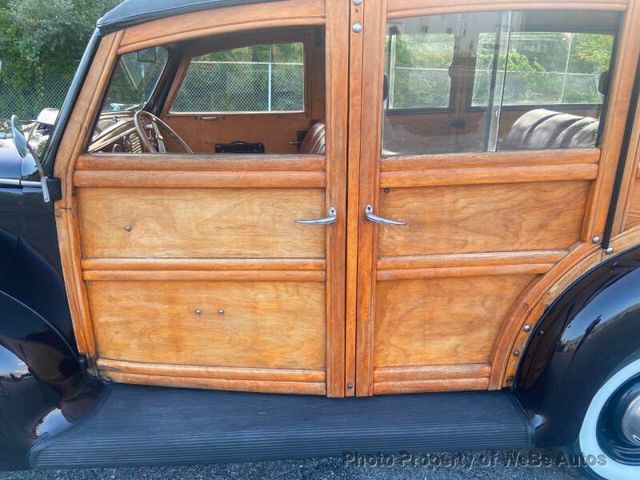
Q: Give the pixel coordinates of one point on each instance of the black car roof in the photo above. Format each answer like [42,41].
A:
[133,12]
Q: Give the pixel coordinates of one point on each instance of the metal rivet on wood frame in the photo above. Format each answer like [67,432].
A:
[128,228]
[221,312]
[357,3]
[357,27]
[527,328]
[198,311]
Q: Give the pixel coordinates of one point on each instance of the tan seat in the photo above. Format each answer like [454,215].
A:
[315,140]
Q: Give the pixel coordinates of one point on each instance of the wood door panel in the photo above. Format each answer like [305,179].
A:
[200,223]
[449,321]
[633,216]
[483,218]
[277,325]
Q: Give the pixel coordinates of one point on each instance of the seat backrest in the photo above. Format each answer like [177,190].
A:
[541,129]
[315,140]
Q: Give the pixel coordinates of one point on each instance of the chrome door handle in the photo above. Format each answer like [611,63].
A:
[372,217]
[329,220]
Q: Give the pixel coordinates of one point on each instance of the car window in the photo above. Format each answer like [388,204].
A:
[417,70]
[513,80]
[259,78]
[134,79]
[546,68]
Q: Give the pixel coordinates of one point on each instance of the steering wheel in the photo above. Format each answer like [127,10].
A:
[149,129]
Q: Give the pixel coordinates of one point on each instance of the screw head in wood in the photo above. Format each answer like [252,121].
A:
[596,240]
[198,311]
[357,27]
[516,353]
[128,228]
[357,3]
[350,386]
[527,328]
[221,312]
[609,251]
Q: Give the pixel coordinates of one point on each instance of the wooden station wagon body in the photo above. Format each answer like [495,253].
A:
[257,205]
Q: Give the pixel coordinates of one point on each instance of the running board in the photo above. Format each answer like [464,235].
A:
[136,425]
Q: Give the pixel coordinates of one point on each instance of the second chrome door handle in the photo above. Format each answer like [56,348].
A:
[372,217]
[332,215]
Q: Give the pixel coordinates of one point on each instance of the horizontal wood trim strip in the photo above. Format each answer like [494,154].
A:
[470,259]
[431,372]
[423,386]
[258,386]
[202,163]
[205,264]
[228,373]
[471,271]
[203,276]
[181,179]
[490,159]
[486,176]
[410,8]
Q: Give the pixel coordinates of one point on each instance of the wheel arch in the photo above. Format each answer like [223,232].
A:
[590,329]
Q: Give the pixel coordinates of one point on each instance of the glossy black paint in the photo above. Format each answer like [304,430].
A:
[44,388]
[589,332]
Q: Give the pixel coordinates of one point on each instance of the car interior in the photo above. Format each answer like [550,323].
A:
[263,92]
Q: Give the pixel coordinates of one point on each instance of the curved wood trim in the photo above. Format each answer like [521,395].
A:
[65,209]
[413,8]
[202,163]
[488,175]
[530,307]
[287,13]
[175,179]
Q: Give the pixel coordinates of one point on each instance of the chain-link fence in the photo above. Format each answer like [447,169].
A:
[242,87]
[431,88]
[28,102]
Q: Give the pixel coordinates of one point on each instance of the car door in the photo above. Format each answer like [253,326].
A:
[209,270]
[484,165]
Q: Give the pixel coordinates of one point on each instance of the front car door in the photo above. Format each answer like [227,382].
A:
[190,269]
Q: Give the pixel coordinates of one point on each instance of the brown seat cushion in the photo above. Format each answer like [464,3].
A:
[541,128]
[315,140]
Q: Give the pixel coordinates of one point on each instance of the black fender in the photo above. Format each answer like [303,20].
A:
[44,388]
[582,338]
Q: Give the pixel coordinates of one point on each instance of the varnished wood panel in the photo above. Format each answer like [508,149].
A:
[482,218]
[448,321]
[199,223]
[411,8]
[217,21]
[264,325]
[633,214]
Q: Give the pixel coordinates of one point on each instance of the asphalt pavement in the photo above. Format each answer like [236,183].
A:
[534,465]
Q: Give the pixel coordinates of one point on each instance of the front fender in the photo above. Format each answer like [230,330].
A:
[43,386]
[583,337]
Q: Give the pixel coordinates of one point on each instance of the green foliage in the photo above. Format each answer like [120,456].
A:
[45,37]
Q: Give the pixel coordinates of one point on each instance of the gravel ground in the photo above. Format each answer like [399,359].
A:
[331,468]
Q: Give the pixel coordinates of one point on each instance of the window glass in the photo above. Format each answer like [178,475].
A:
[511,81]
[134,79]
[260,78]
[417,70]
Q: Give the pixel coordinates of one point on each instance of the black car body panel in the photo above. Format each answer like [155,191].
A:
[581,340]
